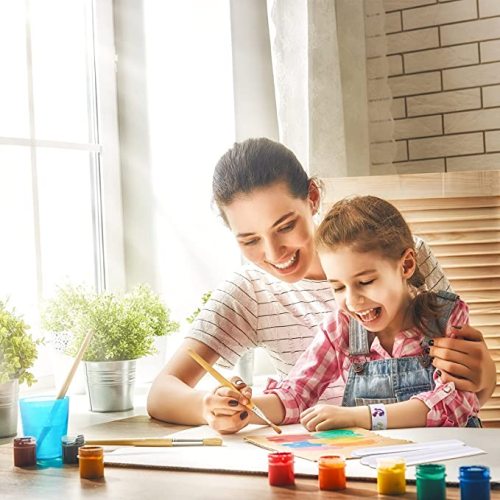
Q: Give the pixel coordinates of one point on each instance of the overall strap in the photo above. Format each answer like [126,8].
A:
[358,339]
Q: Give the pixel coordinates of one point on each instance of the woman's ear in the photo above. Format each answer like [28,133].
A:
[314,196]
[408,263]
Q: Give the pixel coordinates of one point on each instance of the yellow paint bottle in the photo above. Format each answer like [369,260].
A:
[391,476]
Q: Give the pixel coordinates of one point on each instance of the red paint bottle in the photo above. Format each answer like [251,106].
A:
[24,451]
[281,469]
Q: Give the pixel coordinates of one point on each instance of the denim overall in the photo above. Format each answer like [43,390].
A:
[393,380]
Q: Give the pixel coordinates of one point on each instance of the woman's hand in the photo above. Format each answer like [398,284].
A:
[466,362]
[224,410]
[324,417]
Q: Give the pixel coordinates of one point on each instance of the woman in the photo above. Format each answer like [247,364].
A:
[280,298]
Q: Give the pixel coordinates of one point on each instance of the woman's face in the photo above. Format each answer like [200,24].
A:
[275,231]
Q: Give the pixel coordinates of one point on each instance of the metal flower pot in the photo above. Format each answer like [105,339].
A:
[110,385]
[9,397]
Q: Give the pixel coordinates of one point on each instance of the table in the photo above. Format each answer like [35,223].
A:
[127,483]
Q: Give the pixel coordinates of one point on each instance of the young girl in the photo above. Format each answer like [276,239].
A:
[376,343]
[280,297]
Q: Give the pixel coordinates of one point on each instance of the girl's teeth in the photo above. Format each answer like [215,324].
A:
[369,315]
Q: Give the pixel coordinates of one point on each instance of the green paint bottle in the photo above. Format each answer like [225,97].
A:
[431,484]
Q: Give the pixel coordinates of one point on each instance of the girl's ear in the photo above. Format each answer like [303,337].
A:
[314,196]
[409,263]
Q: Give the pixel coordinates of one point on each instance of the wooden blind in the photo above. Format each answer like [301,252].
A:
[458,215]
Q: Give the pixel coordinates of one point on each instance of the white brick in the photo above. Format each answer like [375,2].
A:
[492,141]
[470,31]
[412,40]
[468,121]
[415,84]
[382,152]
[439,14]
[401,151]
[380,110]
[476,162]
[491,96]
[449,57]
[378,89]
[404,4]
[489,8]
[420,167]
[395,64]
[472,76]
[490,51]
[393,22]
[378,67]
[451,145]
[418,127]
[375,25]
[382,131]
[372,7]
[444,102]
[383,169]
[398,108]
[376,46]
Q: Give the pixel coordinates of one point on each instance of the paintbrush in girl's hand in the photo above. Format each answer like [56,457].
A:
[225,382]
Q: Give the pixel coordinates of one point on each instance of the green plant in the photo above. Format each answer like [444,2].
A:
[18,350]
[124,325]
[204,300]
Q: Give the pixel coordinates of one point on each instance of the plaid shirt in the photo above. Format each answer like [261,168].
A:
[327,359]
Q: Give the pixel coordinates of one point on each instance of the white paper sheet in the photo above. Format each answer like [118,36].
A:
[236,455]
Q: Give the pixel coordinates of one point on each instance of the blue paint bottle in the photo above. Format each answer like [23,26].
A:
[474,482]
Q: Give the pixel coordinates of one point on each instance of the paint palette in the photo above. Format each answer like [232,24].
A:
[313,445]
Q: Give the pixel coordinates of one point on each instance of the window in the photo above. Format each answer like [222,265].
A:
[58,152]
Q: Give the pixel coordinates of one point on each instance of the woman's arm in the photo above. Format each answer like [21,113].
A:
[172,396]
[466,361]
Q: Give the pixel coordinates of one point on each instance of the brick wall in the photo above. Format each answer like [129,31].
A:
[442,59]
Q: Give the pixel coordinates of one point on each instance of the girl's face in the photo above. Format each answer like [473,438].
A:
[275,231]
[370,288]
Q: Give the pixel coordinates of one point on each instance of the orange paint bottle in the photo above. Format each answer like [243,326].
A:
[91,460]
[331,473]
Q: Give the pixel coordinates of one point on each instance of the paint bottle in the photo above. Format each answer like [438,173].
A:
[70,445]
[281,469]
[24,451]
[331,473]
[91,460]
[474,482]
[431,482]
[391,476]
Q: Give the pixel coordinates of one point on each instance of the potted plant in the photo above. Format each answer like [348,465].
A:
[125,327]
[18,352]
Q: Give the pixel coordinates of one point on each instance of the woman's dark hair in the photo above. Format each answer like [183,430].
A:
[370,224]
[257,163]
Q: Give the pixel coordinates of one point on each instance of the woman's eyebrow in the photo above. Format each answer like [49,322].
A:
[279,221]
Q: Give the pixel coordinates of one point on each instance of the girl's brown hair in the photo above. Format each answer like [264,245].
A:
[370,224]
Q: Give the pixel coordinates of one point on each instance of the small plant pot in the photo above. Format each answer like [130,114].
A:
[110,385]
[9,397]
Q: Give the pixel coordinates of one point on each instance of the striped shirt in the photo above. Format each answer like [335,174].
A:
[327,359]
[254,309]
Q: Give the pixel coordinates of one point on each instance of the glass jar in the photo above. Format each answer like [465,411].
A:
[24,451]
[281,471]
[331,473]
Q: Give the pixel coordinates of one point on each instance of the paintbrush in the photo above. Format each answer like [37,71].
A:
[225,382]
[215,441]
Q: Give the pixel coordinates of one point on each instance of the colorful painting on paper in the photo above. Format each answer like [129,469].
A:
[316,444]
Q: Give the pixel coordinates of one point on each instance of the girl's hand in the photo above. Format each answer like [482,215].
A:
[465,361]
[224,410]
[324,417]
